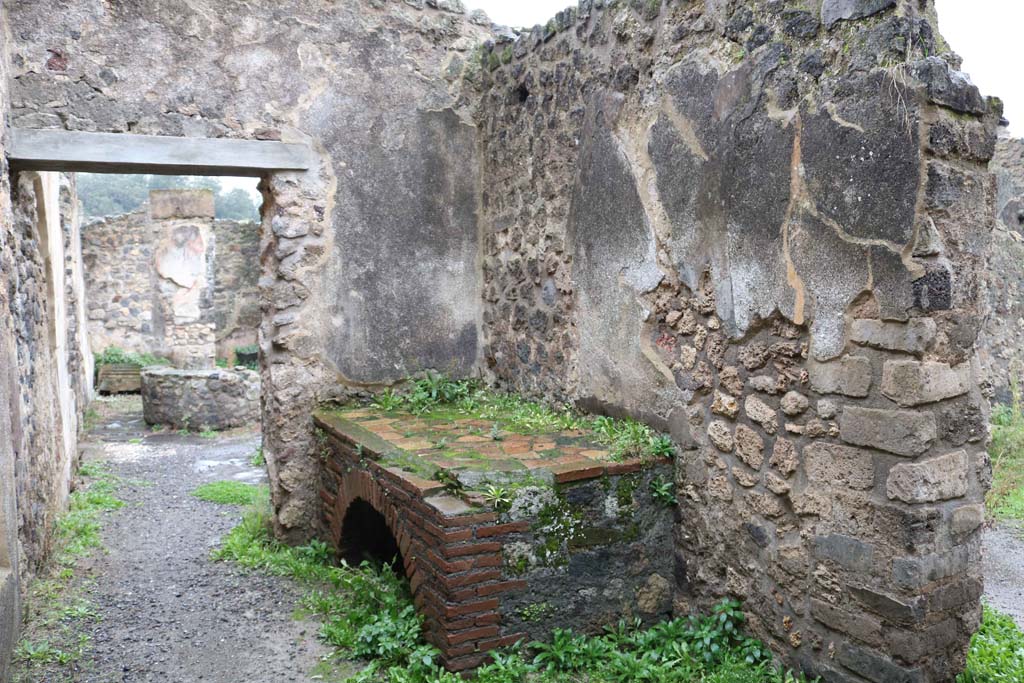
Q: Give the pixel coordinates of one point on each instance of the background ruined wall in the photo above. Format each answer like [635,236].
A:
[1002,339]
[762,226]
[369,261]
[131,306]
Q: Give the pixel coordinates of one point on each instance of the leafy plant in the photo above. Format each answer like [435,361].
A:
[997,651]
[664,491]
[114,355]
[258,459]
[229,493]
[498,497]
[451,483]
[388,401]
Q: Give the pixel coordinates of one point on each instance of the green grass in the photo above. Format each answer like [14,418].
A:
[229,493]
[258,459]
[78,530]
[1006,499]
[367,615]
[438,397]
[997,651]
[55,608]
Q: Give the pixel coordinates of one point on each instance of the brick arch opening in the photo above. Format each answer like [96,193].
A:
[365,536]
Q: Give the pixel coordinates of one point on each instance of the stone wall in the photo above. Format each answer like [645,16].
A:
[10,593]
[369,268]
[1001,344]
[171,281]
[45,382]
[198,400]
[762,226]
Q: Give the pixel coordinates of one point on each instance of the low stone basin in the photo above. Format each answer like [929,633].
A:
[198,400]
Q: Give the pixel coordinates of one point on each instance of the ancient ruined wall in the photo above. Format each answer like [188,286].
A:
[762,225]
[1001,343]
[48,407]
[10,594]
[369,261]
[120,292]
[170,280]
[236,295]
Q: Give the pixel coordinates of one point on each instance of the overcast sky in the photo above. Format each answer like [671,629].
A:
[986,33]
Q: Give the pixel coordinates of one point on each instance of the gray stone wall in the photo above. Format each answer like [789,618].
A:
[138,300]
[763,227]
[198,400]
[10,594]
[1001,344]
[396,174]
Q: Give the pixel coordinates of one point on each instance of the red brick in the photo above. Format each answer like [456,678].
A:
[451,611]
[503,641]
[470,549]
[465,663]
[491,589]
[628,467]
[472,635]
[493,560]
[471,579]
[463,595]
[502,529]
[469,520]
[577,473]
[448,566]
[489,618]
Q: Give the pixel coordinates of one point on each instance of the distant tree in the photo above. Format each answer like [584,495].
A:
[113,194]
[237,205]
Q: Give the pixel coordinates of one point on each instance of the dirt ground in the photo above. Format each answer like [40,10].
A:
[163,610]
[1004,570]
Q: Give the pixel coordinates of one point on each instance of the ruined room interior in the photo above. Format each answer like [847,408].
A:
[671,341]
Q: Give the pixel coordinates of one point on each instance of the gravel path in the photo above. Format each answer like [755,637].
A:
[167,612]
[1004,570]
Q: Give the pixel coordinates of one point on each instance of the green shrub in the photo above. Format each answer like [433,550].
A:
[114,355]
[997,651]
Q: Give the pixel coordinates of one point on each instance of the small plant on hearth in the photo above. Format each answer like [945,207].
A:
[498,497]
[450,482]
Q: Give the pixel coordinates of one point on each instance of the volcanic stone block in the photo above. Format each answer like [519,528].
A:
[910,383]
[912,337]
[941,478]
[849,376]
[834,11]
[895,431]
[835,465]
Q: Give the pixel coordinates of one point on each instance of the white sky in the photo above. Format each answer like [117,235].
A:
[986,33]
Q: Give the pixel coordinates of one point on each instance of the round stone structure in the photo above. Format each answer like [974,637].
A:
[200,399]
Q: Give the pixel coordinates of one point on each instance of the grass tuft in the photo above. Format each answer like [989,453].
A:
[229,493]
